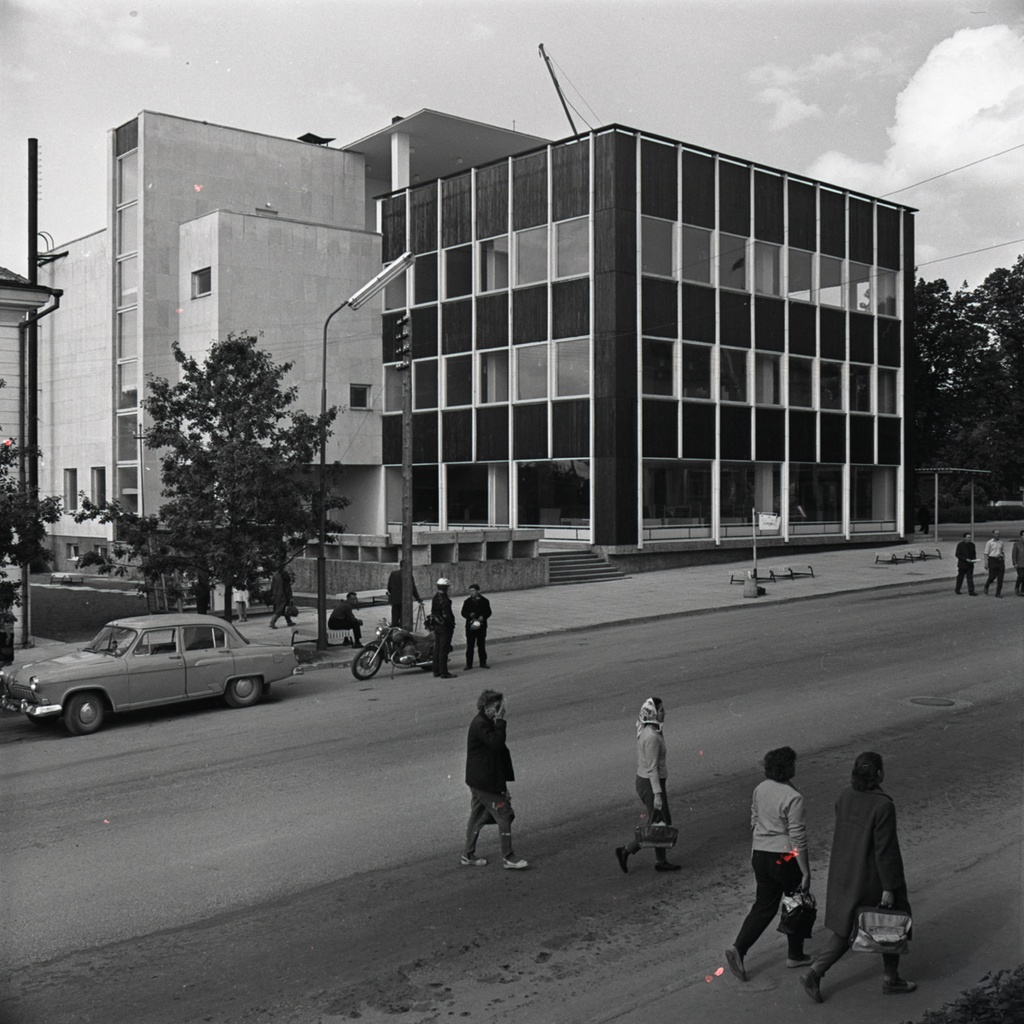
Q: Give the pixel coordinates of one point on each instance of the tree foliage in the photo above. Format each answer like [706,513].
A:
[969,380]
[240,497]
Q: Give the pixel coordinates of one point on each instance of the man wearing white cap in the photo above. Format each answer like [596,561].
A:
[443,624]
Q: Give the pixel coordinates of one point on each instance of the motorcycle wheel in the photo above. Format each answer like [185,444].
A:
[368,663]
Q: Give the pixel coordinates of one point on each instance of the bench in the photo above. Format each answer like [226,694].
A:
[892,558]
[923,555]
[788,572]
[761,577]
[67,579]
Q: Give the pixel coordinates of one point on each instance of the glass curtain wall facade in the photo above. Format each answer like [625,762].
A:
[623,339]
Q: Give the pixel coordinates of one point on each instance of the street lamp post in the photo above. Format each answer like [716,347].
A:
[372,287]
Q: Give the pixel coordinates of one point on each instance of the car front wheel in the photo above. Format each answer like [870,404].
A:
[243,692]
[84,714]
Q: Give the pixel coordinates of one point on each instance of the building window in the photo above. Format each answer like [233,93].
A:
[860,388]
[767,269]
[830,281]
[396,293]
[658,368]
[733,386]
[887,392]
[494,376]
[128,177]
[71,552]
[531,372]
[458,272]
[127,334]
[102,550]
[859,288]
[458,380]
[695,255]
[71,490]
[127,439]
[885,292]
[99,484]
[677,493]
[572,367]
[393,388]
[658,247]
[767,384]
[128,487]
[128,229]
[494,264]
[127,385]
[128,282]
[572,248]
[801,274]
[736,493]
[424,277]
[532,255]
[830,385]
[696,371]
[801,376]
[201,282]
[732,262]
[424,390]
[359,396]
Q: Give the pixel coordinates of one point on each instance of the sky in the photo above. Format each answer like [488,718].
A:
[879,97]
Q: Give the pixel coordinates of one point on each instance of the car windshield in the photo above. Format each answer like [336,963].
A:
[113,640]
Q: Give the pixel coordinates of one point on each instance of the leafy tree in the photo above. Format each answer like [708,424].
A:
[240,496]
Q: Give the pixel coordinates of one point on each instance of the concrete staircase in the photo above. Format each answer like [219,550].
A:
[579,567]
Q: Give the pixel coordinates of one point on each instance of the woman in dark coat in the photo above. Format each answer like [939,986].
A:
[866,870]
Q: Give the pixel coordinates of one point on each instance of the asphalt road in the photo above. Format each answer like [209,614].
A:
[297,862]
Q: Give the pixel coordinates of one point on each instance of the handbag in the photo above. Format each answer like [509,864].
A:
[798,914]
[292,610]
[656,834]
[881,930]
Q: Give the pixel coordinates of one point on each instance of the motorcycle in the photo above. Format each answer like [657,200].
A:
[397,647]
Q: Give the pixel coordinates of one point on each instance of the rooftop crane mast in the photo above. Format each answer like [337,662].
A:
[558,88]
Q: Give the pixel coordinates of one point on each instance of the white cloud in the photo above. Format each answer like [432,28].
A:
[789,108]
[101,26]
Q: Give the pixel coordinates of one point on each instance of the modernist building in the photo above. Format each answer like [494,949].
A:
[634,342]
[617,338]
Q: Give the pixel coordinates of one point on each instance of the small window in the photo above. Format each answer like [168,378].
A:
[572,367]
[658,247]
[128,281]
[887,392]
[696,371]
[458,380]
[695,257]
[99,484]
[127,438]
[424,390]
[127,334]
[572,248]
[732,262]
[801,376]
[830,281]
[128,385]
[733,386]
[767,269]
[494,264]
[128,230]
[658,369]
[531,372]
[102,550]
[831,385]
[494,376]
[532,255]
[860,388]
[885,289]
[424,278]
[395,293]
[458,272]
[801,270]
[71,491]
[767,383]
[359,396]
[859,288]
[71,552]
[201,282]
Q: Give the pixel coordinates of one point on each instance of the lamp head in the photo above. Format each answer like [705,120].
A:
[378,283]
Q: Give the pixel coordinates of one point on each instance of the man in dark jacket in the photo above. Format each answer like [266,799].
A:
[395,594]
[488,773]
[476,610]
[343,617]
[966,556]
[280,597]
[443,619]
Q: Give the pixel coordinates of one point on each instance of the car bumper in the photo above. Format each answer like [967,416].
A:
[26,707]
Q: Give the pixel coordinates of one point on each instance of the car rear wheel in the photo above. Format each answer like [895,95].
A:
[243,692]
[84,714]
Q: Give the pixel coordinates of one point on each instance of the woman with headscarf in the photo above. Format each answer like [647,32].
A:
[866,870]
[650,778]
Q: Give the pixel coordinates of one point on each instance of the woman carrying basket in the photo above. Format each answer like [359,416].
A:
[650,779]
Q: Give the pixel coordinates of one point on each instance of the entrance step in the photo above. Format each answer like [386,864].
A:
[579,567]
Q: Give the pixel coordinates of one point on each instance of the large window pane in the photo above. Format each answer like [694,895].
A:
[873,494]
[733,375]
[128,385]
[531,372]
[815,494]
[128,487]
[127,442]
[695,257]
[801,390]
[532,255]
[831,385]
[887,392]
[677,493]
[128,229]
[128,282]
[767,383]
[658,247]
[885,291]
[424,276]
[860,388]
[658,370]
[458,272]
[572,367]
[459,380]
[572,248]
[732,261]
[494,264]
[494,375]
[467,494]
[553,493]
[128,178]
[127,334]
[859,288]
[830,287]
[767,269]
[801,283]
[696,371]
[737,493]
[424,391]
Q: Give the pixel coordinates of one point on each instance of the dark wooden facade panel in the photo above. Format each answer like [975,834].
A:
[457,435]
[862,231]
[570,308]
[832,333]
[699,317]
[862,338]
[889,430]
[803,216]
[492,320]
[889,342]
[733,198]
[862,440]
[393,228]
[734,421]
[698,430]
[570,180]
[833,222]
[529,190]
[615,241]
[456,210]
[570,429]
[492,200]
[423,218]
[698,189]
[803,329]
[615,171]
[660,429]
[457,326]
[770,435]
[391,440]
[768,207]
[492,433]
[423,332]
[424,437]
[659,314]
[889,238]
[530,314]
[659,179]
[769,324]
[530,431]
[833,437]
[803,435]
[734,315]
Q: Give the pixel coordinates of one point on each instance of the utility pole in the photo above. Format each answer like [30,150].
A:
[403,345]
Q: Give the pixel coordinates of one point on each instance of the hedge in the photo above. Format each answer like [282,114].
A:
[997,999]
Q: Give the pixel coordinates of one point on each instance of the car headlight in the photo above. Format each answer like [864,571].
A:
[33,682]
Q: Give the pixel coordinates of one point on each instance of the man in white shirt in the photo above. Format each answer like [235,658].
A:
[995,563]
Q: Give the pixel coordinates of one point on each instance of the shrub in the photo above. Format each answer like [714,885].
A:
[997,999]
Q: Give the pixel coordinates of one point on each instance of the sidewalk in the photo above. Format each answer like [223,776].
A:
[693,590]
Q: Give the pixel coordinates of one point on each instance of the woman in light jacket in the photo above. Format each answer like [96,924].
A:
[650,778]
[866,870]
[779,857]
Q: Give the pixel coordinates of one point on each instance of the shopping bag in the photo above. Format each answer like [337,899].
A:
[881,930]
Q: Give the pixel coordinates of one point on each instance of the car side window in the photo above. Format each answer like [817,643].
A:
[156,641]
[203,638]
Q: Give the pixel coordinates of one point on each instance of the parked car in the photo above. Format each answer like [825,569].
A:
[144,661]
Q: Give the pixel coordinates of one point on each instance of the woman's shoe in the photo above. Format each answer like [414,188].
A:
[799,961]
[898,987]
[735,962]
[664,865]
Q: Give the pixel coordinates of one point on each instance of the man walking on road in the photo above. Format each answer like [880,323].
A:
[966,556]
[476,610]
[995,563]
[488,773]
[443,626]
[1016,560]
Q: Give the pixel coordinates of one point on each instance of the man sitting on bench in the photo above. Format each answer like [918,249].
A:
[343,618]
